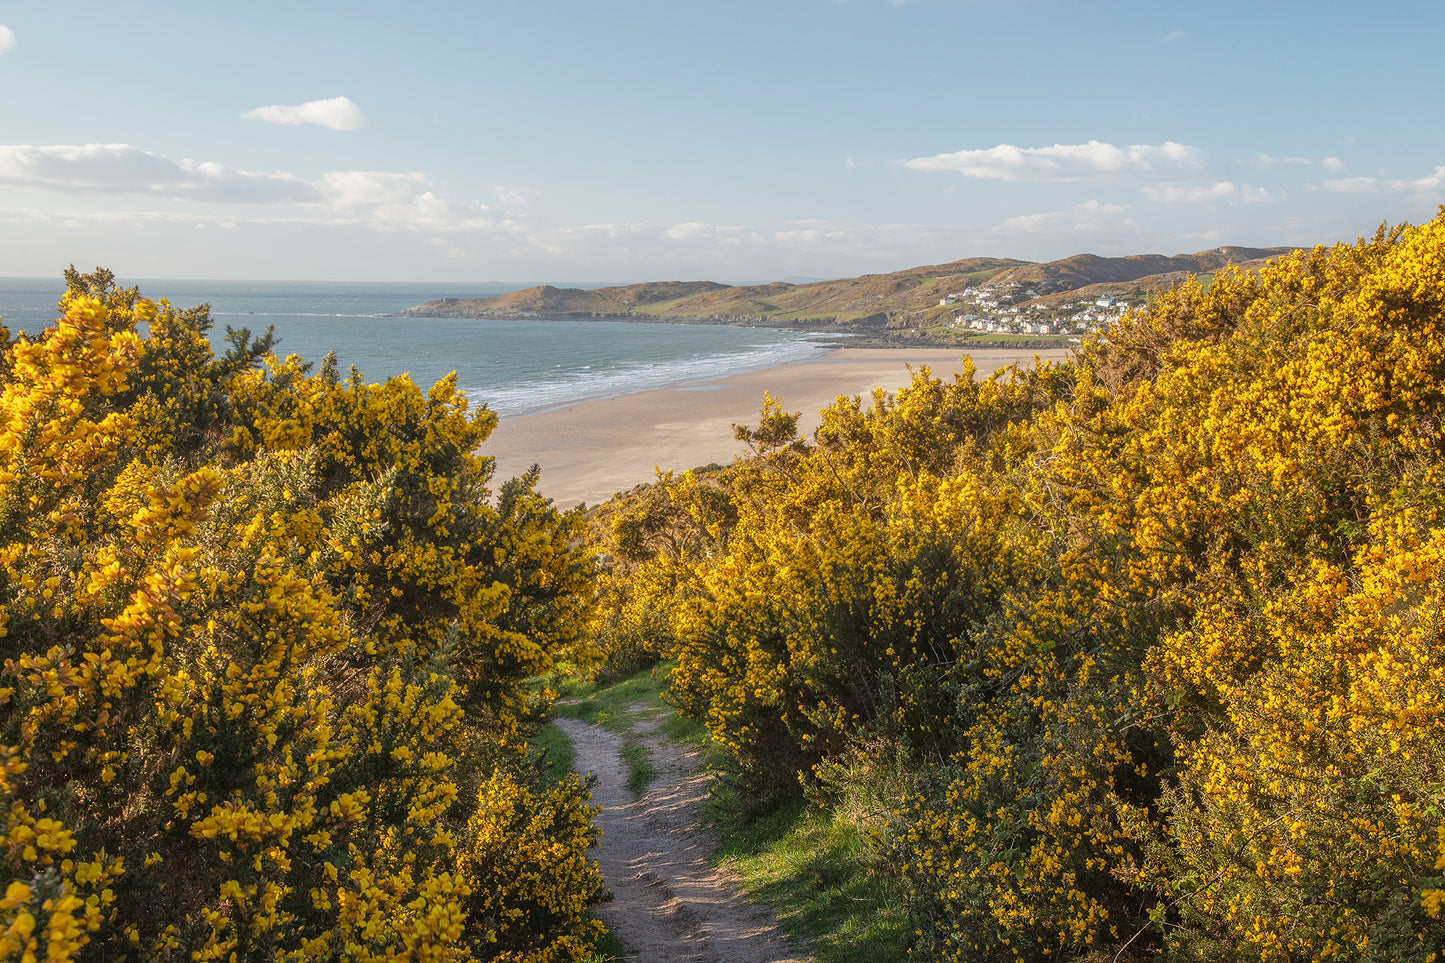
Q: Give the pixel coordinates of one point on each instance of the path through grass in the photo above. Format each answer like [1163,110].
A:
[823,876]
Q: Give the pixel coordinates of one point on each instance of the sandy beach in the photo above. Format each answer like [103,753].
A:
[591,450]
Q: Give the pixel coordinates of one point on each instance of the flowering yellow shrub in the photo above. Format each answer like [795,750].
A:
[532,881]
[850,569]
[1159,629]
[649,540]
[1307,679]
[263,635]
[1209,512]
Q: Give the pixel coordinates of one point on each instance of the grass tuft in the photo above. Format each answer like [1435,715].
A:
[826,882]
[610,950]
[554,752]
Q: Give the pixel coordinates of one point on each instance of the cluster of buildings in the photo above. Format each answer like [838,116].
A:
[1007,309]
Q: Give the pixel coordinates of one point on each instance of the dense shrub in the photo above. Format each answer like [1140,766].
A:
[650,539]
[1158,629]
[263,642]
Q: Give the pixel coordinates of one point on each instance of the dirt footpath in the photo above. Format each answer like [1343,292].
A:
[669,904]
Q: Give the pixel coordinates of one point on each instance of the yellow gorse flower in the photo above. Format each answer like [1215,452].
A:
[262,627]
[1156,633]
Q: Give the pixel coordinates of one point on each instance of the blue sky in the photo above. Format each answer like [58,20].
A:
[735,141]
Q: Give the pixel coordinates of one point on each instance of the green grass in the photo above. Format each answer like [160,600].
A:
[820,873]
[556,750]
[609,704]
[825,882]
[610,950]
[679,728]
[616,706]
[640,770]
[1008,339]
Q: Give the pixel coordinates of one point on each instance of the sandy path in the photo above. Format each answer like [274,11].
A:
[669,904]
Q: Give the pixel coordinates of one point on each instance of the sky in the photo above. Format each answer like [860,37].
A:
[731,140]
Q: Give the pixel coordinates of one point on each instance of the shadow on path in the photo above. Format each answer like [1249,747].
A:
[669,903]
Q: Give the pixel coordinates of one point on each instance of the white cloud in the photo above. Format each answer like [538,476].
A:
[381,198]
[512,196]
[806,235]
[87,167]
[1352,185]
[1258,195]
[689,230]
[1332,164]
[1432,182]
[7,38]
[1209,193]
[386,199]
[1061,162]
[696,234]
[348,190]
[1172,36]
[1191,193]
[123,169]
[1089,216]
[1266,162]
[338,113]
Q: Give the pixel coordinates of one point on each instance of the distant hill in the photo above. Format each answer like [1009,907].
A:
[1081,270]
[903,299]
[550,301]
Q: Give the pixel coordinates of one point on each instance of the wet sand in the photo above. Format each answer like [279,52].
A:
[591,450]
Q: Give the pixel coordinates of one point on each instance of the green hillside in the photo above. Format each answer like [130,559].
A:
[903,299]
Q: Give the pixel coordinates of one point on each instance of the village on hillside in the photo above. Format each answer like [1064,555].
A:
[1010,308]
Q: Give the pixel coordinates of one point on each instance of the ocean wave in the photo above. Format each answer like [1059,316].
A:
[536,396]
[289,314]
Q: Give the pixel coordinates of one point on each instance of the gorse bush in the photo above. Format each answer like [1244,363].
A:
[650,535]
[263,639]
[1156,632]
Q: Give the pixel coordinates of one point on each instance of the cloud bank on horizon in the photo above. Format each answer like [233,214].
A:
[727,152]
[117,169]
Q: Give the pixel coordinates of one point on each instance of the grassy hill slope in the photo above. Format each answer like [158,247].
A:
[901,299]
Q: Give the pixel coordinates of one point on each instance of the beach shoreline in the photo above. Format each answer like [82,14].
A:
[590,450]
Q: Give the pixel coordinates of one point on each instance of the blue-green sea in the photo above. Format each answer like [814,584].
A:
[513,367]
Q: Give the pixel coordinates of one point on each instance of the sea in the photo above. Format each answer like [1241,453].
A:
[514,367]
